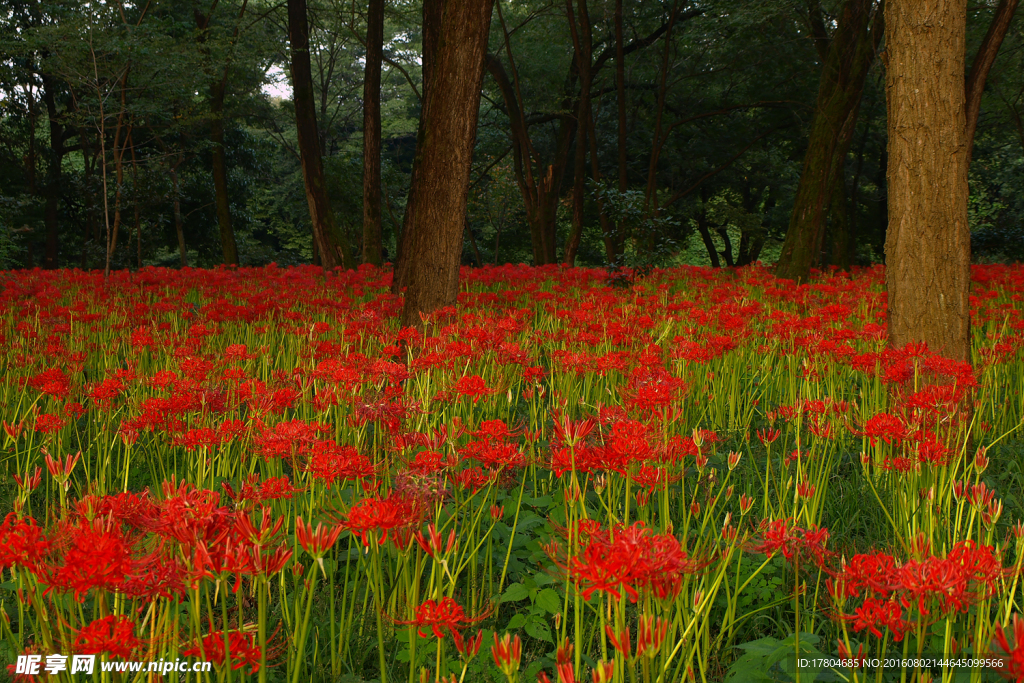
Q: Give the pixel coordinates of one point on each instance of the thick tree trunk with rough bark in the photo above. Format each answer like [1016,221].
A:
[331,241]
[928,242]
[849,56]
[372,231]
[435,214]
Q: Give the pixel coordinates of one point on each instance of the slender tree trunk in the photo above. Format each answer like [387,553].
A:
[229,248]
[582,43]
[607,230]
[91,229]
[436,213]
[726,246]
[705,232]
[179,226]
[850,55]
[540,191]
[218,90]
[620,90]
[987,51]
[51,207]
[330,239]
[928,242]
[30,158]
[137,207]
[651,208]
[372,230]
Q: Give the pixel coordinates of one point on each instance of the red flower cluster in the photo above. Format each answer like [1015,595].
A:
[935,586]
[630,559]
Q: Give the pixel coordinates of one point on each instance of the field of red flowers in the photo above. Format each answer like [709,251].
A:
[700,475]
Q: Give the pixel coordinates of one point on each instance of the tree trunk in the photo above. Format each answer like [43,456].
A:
[928,242]
[218,89]
[436,213]
[540,191]
[330,240]
[433,15]
[620,90]
[850,54]
[229,247]
[179,226]
[607,230]
[51,208]
[582,43]
[372,231]
[987,51]
[840,224]
[705,231]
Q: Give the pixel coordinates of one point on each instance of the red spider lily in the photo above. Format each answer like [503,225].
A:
[13,431]
[113,635]
[507,653]
[433,546]
[267,530]
[620,641]
[242,650]
[793,542]
[468,648]
[53,382]
[61,468]
[329,462]
[571,432]
[49,424]
[441,615]
[746,503]
[472,385]
[29,483]
[375,514]
[876,614]
[885,427]
[563,658]
[316,542]
[1013,662]
[273,488]
[631,559]
[650,635]
[22,543]
[97,555]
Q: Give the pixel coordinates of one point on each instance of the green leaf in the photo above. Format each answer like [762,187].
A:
[538,628]
[549,601]
[515,592]
[516,622]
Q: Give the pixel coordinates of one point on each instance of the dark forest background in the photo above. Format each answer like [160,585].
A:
[114,117]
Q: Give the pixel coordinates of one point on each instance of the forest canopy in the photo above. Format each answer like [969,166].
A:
[609,132]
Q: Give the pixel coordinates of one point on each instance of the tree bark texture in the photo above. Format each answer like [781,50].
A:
[850,54]
[435,214]
[372,231]
[987,51]
[927,244]
[331,241]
